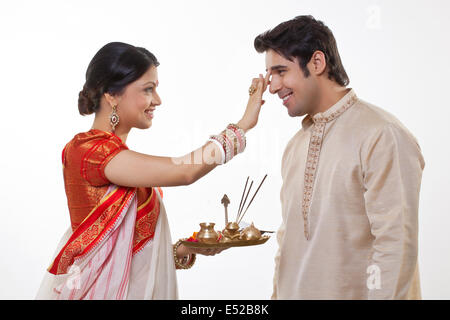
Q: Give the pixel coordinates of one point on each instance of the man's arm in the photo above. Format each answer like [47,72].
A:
[392,167]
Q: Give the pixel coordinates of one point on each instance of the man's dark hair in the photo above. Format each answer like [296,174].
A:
[300,38]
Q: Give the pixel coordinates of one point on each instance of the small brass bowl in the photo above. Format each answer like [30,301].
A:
[231,230]
[232,227]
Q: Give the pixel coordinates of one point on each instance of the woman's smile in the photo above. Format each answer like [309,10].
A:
[149,113]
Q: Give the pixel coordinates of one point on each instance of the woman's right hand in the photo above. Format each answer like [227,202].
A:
[251,114]
[133,169]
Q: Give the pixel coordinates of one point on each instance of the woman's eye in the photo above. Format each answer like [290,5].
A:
[149,89]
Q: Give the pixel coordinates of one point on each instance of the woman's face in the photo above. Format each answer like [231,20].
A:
[137,104]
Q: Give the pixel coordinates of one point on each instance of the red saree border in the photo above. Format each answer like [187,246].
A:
[160,192]
[146,220]
[101,220]
[92,229]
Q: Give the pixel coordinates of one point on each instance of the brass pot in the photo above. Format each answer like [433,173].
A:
[251,233]
[207,234]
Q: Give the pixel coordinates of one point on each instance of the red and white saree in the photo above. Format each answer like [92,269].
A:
[122,249]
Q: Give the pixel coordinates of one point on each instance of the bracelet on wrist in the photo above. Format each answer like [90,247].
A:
[231,142]
[185,263]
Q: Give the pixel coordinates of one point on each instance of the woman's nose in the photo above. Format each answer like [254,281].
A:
[157,99]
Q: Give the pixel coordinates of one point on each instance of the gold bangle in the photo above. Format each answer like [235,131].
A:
[178,264]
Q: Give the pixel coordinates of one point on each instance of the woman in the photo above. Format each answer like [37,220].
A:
[119,244]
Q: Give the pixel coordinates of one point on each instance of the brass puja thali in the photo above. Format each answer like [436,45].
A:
[232,235]
[238,243]
[207,237]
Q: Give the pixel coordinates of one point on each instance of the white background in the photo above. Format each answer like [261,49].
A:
[396,54]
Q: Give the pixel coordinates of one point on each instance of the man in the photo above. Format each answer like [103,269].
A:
[351,178]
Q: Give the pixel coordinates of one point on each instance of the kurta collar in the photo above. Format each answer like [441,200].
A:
[333,112]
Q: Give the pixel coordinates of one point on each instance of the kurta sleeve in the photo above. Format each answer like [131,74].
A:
[97,157]
[280,235]
[282,229]
[392,166]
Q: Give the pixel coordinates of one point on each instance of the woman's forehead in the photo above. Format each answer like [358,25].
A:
[150,76]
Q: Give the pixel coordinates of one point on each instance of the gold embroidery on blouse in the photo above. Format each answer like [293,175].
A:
[315,143]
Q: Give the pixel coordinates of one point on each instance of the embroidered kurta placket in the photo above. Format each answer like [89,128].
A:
[315,144]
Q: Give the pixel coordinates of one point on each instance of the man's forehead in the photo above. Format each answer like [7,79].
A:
[274,60]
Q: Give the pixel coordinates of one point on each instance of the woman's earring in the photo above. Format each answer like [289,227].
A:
[114,118]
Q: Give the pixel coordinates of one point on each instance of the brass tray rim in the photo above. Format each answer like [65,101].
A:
[237,243]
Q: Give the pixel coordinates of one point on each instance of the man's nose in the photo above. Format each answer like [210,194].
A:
[274,86]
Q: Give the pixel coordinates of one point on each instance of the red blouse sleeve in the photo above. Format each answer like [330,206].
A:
[97,156]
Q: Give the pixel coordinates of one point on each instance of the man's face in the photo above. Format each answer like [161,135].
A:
[299,94]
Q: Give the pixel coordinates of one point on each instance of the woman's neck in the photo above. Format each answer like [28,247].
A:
[101,124]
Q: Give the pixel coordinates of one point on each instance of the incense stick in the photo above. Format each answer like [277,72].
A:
[242,198]
[253,198]
[245,200]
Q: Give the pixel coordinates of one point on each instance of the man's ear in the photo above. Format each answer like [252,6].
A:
[318,63]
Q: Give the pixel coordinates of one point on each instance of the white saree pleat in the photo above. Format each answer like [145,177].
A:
[104,273]
[110,271]
[153,274]
[50,281]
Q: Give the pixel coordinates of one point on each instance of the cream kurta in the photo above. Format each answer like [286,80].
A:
[350,196]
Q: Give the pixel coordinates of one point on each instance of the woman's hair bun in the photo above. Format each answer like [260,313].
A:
[86,105]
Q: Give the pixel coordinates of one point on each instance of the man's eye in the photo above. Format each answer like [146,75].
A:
[280,72]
